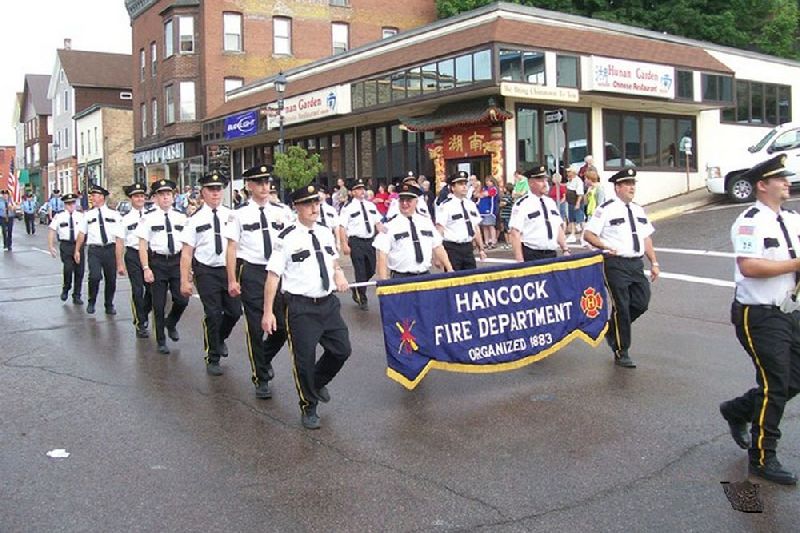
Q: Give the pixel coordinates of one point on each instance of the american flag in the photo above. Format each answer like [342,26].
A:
[13,184]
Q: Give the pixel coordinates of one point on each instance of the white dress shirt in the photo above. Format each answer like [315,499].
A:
[450,215]
[296,261]
[246,228]
[351,218]
[538,221]
[128,227]
[397,241]
[153,229]
[615,224]
[91,225]
[60,224]
[200,233]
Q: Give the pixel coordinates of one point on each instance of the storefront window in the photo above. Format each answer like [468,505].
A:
[384,90]
[483,65]
[612,140]
[399,86]
[429,82]
[412,151]
[742,102]
[396,153]
[629,139]
[336,156]
[633,147]
[349,157]
[649,142]
[533,67]
[447,74]
[365,153]
[771,104]
[759,103]
[357,95]
[370,93]
[667,147]
[784,104]
[684,88]
[414,82]
[528,148]
[756,103]
[510,66]
[717,88]
[381,155]
[686,129]
[463,70]
[567,71]
[577,136]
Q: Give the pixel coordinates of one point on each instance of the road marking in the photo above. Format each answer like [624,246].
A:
[40,250]
[687,251]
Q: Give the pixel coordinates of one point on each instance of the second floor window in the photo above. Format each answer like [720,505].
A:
[186,35]
[232,32]
[153,58]
[66,99]
[143,111]
[154,115]
[187,103]
[169,39]
[231,84]
[281,36]
[169,104]
[141,64]
[340,34]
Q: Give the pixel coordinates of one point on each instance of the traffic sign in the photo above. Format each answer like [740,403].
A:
[555,117]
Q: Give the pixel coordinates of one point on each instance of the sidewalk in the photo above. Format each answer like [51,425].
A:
[681,204]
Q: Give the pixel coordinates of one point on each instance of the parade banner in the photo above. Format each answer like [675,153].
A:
[492,320]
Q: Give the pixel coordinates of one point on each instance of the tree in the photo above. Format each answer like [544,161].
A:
[767,26]
[296,168]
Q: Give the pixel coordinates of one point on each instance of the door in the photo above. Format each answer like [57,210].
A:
[480,166]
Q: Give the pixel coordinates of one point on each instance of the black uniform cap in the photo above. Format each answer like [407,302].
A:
[136,188]
[257,172]
[358,184]
[409,190]
[457,177]
[771,168]
[69,198]
[538,171]
[626,174]
[214,179]
[162,185]
[309,193]
[96,189]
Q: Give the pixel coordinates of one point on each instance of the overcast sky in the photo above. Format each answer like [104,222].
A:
[34,29]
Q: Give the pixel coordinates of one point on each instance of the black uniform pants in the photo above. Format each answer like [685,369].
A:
[73,272]
[362,254]
[167,273]
[102,266]
[630,291]
[529,254]
[460,254]
[30,223]
[8,230]
[222,310]
[260,350]
[141,297]
[311,322]
[772,340]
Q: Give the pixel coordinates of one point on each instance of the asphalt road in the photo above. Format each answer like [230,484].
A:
[571,443]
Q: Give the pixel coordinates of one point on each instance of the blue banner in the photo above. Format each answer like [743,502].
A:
[491,320]
[241,125]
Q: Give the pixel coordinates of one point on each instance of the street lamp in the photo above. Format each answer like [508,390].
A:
[280,88]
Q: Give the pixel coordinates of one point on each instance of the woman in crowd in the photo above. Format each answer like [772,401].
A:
[487,208]
[575,194]
[382,200]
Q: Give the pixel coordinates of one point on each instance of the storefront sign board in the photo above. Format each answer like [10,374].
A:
[539,92]
[241,125]
[314,105]
[628,77]
[466,142]
[162,154]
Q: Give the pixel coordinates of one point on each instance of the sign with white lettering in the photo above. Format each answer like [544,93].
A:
[628,77]
[555,117]
[241,125]
[538,92]
[314,105]
[162,154]
[500,318]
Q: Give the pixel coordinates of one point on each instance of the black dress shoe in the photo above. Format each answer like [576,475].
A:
[77,300]
[172,333]
[309,418]
[738,429]
[90,308]
[142,333]
[363,306]
[323,395]
[162,348]
[624,360]
[213,369]
[224,350]
[773,471]
[263,391]
[111,310]
[64,294]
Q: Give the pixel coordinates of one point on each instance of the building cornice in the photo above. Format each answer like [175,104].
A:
[137,7]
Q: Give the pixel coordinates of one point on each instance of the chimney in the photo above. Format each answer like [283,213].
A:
[67,44]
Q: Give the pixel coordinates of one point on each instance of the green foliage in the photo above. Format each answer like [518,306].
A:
[767,26]
[296,168]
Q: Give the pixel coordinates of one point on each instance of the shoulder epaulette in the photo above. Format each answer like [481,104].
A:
[286,232]
[239,206]
[276,204]
[523,197]
[148,211]
[751,212]
[607,202]
[444,200]
[391,218]
[787,210]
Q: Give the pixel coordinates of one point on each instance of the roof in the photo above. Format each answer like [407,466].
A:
[459,114]
[97,69]
[497,23]
[36,90]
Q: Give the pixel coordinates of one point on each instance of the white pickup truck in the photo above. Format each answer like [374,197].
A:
[725,178]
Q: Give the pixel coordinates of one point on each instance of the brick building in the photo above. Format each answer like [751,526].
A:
[81,79]
[104,145]
[34,125]
[187,54]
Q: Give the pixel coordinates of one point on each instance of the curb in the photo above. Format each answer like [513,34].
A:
[668,212]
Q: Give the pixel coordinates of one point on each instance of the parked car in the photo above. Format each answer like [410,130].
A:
[726,177]
[124,207]
[41,214]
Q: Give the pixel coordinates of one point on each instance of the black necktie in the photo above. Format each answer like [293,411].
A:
[217,236]
[322,216]
[323,270]
[547,220]
[71,229]
[366,218]
[792,252]
[170,241]
[636,246]
[103,235]
[470,231]
[265,234]
[415,240]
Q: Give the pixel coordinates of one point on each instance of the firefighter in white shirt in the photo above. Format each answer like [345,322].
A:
[359,221]
[394,205]
[409,242]
[304,263]
[99,231]
[458,221]
[64,227]
[536,225]
[204,254]
[328,216]
[160,253]
[128,258]
[621,228]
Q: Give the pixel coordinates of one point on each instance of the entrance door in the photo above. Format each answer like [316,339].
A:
[480,166]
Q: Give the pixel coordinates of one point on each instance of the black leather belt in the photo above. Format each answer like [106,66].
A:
[101,245]
[314,301]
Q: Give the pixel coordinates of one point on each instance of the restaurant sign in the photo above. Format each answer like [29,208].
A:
[466,142]
[314,105]
[162,154]
[628,77]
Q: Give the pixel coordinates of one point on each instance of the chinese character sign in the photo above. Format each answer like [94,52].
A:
[466,142]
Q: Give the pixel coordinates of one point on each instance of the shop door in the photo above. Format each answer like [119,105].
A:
[480,166]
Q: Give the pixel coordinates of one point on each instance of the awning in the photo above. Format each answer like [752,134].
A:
[458,114]
[23,176]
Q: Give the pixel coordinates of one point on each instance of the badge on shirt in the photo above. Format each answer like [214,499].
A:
[745,242]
